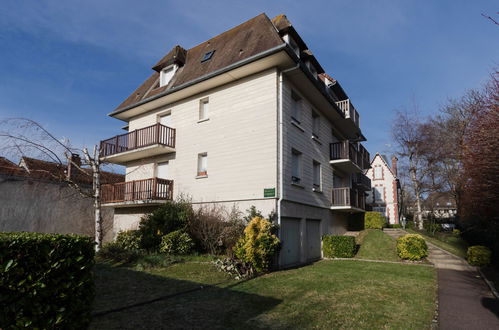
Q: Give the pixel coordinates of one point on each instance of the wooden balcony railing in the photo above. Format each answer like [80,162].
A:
[346,150]
[349,111]
[362,181]
[147,189]
[348,197]
[143,137]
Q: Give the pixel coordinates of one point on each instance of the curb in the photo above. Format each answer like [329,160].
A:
[489,283]
[382,261]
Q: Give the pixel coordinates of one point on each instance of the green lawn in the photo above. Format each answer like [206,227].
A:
[328,294]
[376,245]
[446,241]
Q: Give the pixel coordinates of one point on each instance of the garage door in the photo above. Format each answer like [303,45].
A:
[290,239]
[313,239]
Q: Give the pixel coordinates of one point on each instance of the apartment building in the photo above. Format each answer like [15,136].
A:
[246,118]
[384,196]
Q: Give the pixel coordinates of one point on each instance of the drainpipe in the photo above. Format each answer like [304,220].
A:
[281,134]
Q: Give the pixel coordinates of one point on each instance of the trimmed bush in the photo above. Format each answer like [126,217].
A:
[374,220]
[171,216]
[456,233]
[45,281]
[176,242]
[258,245]
[395,226]
[336,246]
[129,239]
[114,252]
[412,247]
[479,255]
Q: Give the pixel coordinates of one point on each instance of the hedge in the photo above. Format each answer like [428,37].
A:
[374,220]
[45,281]
[412,247]
[479,255]
[335,246]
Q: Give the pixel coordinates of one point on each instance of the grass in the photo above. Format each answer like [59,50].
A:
[446,241]
[376,245]
[324,295]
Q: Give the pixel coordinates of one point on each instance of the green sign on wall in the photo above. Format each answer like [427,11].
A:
[269,192]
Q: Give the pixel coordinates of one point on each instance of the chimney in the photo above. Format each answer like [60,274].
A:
[75,161]
[394,165]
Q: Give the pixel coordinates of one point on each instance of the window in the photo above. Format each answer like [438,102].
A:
[378,193]
[166,75]
[166,120]
[317,175]
[292,43]
[378,172]
[207,56]
[203,164]
[203,108]
[295,166]
[312,69]
[316,121]
[162,170]
[381,210]
[295,107]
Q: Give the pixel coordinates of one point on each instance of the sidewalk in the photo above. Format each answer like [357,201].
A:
[464,300]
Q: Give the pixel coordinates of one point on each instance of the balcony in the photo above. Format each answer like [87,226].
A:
[349,111]
[361,182]
[348,200]
[347,158]
[141,143]
[147,191]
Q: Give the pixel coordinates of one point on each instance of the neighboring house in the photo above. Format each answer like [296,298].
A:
[34,198]
[247,118]
[442,205]
[384,196]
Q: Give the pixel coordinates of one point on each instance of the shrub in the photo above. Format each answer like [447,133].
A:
[45,281]
[479,255]
[258,245]
[176,242]
[396,225]
[236,268]
[456,233]
[114,252]
[154,260]
[128,239]
[215,229]
[336,246]
[374,220]
[432,227]
[412,247]
[171,216]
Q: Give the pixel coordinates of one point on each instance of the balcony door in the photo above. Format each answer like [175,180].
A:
[166,120]
[162,172]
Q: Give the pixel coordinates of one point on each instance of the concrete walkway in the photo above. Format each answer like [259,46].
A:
[464,300]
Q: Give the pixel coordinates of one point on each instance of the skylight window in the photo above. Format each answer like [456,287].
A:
[207,56]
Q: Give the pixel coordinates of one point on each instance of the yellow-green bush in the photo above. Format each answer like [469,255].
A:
[336,246]
[128,239]
[479,255]
[412,247]
[374,220]
[258,245]
[176,242]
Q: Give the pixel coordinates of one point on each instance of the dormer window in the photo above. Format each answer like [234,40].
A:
[312,69]
[292,43]
[166,75]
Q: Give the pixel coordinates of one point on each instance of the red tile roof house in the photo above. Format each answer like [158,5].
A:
[248,117]
[35,198]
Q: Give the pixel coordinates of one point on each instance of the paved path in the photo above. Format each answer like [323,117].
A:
[464,300]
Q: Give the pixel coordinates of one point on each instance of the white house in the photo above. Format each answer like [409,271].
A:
[384,195]
[248,117]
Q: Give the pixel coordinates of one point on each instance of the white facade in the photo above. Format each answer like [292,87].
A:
[383,196]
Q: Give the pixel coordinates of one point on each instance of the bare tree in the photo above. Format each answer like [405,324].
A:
[408,132]
[21,136]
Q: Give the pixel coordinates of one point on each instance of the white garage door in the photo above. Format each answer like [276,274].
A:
[313,239]
[290,239]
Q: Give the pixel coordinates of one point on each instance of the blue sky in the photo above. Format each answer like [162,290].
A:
[67,64]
